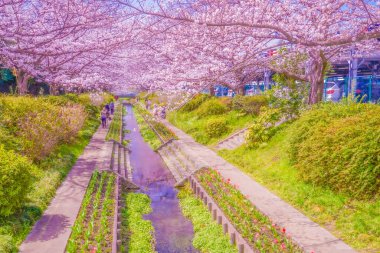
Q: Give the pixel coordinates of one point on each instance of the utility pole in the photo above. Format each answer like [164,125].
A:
[267,74]
[352,72]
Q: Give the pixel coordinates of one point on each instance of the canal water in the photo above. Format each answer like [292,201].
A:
[173,232]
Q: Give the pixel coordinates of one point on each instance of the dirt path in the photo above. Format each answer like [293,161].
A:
[51,232]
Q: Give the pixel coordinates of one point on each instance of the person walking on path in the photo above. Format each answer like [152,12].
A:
[148,103]
[155,111]
[163,112]
[103,117]
[108,114]
[112,107]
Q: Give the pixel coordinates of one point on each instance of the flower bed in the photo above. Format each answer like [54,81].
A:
[92,229]
[256,228]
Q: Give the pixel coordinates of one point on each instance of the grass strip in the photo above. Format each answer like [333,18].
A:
[139,232]
[165,133]
[114,130]
[147,133]
[209,236]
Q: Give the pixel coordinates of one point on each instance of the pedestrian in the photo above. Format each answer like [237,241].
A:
[155,111]
[108,114]
[107,106]
[112,107]
[148,103]
[163,112]
[103,117]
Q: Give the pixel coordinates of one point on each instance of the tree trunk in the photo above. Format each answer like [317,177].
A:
[22,81]
[315,72]
[240,90]
[212,90]
[316,91]
[53,90]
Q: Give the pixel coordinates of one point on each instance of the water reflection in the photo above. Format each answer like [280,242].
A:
[173,232]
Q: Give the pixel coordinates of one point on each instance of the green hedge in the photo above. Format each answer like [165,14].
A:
[6,244]
[216,127]
[39,126]
[338,145]
[16,178]
[28,122]
[249,104]
[195,103]
[211,107]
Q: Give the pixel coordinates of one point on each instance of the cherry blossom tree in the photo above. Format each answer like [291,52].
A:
[179,58]
[321,30]
[60,42]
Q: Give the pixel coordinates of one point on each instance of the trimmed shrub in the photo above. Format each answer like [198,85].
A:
[43,131]
[16,177]
[6,245]
[216,127]
[195,102]
[92,102]
[249,104]
[338,145]
[227,101]
[211,107]
[40,125]
[263,127]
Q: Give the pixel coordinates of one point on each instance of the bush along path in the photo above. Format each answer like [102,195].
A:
[42,138]
[308,235]
[325,164]
[210,120]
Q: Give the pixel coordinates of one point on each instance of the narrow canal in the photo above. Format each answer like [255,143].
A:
[173,232]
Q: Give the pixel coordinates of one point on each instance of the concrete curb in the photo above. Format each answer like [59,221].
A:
[220,217]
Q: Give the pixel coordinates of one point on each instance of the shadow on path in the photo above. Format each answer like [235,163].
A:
[49,227]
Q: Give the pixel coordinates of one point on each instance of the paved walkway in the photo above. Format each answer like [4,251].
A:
[51,232]
[306,233]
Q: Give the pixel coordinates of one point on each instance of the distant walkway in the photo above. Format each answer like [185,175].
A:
[306,233]
[51,232]
[233,141]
